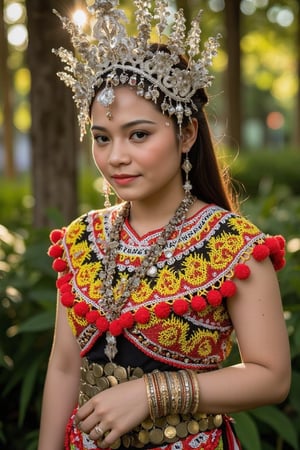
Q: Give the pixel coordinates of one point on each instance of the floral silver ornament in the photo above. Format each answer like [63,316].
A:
[110,54]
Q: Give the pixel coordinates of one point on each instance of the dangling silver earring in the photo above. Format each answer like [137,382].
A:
[106,191]
[187,167]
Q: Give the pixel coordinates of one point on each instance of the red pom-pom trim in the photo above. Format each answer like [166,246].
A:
[59,265]
[242,271]
[162,310]
[102,324]
[92,316]
[126,319]
[198,303]
[67,299]
[261,252]
[228,288]
[81,309]
[65,288]
[63,280]
[56,236]
[142,315]
[273,244]
[281,241]
[214,298]
[55,251]
[115,327]
[180,307]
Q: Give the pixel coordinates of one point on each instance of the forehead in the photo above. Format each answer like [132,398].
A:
[127,102]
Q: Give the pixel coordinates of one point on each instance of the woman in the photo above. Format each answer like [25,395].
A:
[150,290]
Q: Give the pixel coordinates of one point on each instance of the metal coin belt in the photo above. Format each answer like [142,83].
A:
[96,378]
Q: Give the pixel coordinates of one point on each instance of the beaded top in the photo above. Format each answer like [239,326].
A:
[178,317]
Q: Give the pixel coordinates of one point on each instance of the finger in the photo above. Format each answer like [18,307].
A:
[110,437]
[84,412]
[97,432]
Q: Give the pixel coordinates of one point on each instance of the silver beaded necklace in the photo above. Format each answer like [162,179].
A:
[112,305]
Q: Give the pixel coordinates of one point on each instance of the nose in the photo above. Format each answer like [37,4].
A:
[119,153]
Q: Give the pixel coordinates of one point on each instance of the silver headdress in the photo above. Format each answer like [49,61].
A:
[109,55]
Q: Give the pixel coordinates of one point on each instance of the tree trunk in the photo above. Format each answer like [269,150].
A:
[297,112]
[7,92]
[54,131]
[233,83]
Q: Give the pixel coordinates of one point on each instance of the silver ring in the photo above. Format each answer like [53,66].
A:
[99,430]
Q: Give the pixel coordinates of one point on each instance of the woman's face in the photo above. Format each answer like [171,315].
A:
[137,151]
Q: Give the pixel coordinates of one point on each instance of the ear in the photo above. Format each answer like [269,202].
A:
[189,135]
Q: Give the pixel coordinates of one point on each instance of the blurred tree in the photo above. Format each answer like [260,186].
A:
[54,133]
[6,90]
[233,74]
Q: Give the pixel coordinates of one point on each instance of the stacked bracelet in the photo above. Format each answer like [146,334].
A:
[172,392]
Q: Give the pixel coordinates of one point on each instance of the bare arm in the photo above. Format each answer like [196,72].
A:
[263,377]
[61,385]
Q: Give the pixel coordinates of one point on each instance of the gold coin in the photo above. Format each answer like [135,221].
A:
[193,427]
[112,380]
[218,420]
[90,378]
[147,424]
[137,372]
[173,419]
[97,370]
[116,444]
[211,424]
[156,436]
[170,432]
[199,415]
[203,424]
[84,363]
[126,441]
[181,430]
[103,383]
[160,422]
[120,373]
[144,437]
[109,368]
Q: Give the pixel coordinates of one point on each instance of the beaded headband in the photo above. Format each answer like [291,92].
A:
[110,55]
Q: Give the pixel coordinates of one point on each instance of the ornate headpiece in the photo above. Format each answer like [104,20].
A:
[110,54]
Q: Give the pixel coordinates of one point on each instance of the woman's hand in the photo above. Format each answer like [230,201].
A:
[114,412]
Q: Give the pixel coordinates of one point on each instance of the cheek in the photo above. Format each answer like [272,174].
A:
[98,158]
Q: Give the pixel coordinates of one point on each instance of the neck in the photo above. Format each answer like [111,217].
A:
[153,214]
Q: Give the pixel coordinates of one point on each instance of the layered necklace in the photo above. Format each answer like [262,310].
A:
[112,300]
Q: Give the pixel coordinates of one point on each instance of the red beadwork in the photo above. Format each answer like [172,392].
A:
[102,324]
[67,299]
[115,327]
[127,320]
[242,271]
[142,315]
[56,235]
[92,316]
[55,251]
[214,298]
[261,252]
[198,303]
[228,288]
[59,265]
[81,309]
[180,307]
[63,279]
[162,310]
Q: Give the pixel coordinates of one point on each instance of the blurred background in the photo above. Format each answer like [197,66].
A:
[47,178]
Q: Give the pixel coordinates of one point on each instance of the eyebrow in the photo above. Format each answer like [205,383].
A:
[126,125]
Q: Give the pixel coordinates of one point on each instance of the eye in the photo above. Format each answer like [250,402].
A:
[100,139]
[139,136]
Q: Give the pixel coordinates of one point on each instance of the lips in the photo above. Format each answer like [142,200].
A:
[123,179]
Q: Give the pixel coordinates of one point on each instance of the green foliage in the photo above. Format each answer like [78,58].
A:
[259,171]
